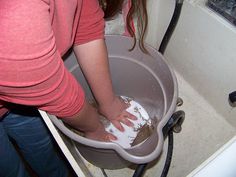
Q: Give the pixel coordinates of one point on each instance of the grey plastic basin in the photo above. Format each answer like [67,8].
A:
[146,78]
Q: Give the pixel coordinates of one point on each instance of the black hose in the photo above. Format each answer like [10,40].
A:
[171,27]
[104,172]
[169,154]
[140,169]
[173,124]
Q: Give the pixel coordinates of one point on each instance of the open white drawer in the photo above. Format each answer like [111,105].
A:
[67,147]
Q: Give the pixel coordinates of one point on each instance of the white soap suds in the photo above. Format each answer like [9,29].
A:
[125,138]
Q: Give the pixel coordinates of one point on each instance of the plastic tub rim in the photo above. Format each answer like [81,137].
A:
[113,146]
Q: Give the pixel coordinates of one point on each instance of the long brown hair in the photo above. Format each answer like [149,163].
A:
[138,9]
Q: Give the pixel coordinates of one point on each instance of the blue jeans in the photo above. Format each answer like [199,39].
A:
[32,138]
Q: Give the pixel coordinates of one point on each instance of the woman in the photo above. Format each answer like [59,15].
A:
[34,36]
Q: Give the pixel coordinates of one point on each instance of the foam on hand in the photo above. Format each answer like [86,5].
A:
[125,138]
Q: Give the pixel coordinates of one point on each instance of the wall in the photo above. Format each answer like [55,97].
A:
[203,50]
[159,15]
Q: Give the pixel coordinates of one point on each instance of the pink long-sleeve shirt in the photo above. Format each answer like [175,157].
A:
[34,35]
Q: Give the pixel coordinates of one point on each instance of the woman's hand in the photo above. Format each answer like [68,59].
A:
[117,114]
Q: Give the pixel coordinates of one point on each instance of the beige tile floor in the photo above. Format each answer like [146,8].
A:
[203,132]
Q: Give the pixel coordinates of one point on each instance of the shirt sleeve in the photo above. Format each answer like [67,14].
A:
[91,23]
[31,69]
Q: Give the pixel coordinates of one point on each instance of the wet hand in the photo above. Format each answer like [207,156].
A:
[117,114]
[100,134]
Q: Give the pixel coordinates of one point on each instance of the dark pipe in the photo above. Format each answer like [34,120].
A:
[103,172]
[171,27]
[140,169]
[169,154]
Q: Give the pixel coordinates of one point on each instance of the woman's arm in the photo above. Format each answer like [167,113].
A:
[93,60]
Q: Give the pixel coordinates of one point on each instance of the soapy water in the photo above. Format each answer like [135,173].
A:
[126,139]
[142,127]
